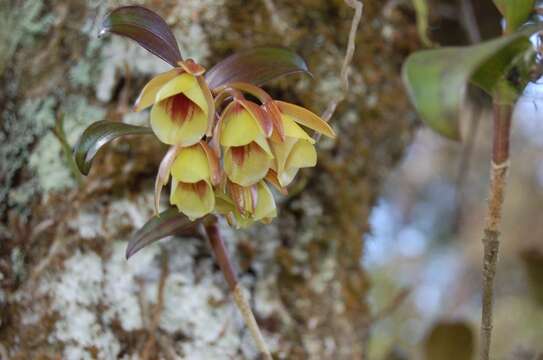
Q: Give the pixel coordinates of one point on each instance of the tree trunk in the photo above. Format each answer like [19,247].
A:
[67,291]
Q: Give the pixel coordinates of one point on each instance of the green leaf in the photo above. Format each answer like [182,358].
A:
[168,222]
[487,76]
[146,28]
[99,134]
[515,12]
[449,341]
[436,79]
[256,66]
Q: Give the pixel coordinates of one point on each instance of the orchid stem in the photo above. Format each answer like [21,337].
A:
[491,241]
[222,258]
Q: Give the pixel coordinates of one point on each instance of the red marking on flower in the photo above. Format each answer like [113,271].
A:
[235,192]
[259,115]
[236,109]
[179,107]
[272,110]
[200,188]
[239,153]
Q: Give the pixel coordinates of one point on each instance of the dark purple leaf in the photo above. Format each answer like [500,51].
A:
[99,134]
[169,222]
[256,66]
[146,28]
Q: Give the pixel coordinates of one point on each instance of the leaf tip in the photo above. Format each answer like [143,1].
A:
[145,27]
[130,250]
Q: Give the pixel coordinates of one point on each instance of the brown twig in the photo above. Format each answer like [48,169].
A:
[222,258]
[391,307]
[165,343]
[491,242]
[358,7]
[60,134]
[157,310]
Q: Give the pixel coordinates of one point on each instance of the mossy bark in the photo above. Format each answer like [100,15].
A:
[304,271]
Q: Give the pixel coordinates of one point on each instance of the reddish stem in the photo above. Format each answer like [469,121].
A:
[221,256]
[491,239]
[502,130]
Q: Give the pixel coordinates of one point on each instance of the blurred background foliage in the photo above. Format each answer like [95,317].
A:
[426,228]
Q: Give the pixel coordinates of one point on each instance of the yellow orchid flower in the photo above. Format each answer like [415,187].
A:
[183,107]
[242,206]
[243,134]
[194,171]
[193,199]
[294,148]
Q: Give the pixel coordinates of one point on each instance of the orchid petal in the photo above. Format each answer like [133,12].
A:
[306,118]
[281,152]
[245,198]
[194,200]
[246,165]
[223,204]
[265,122]
[238,127]
[178,85]
[208,96]
[294,130]
[163,174]
[272,178]
[171,129]
[272,110]
[286,176]
[303,154]
[265,207]
[184,84]
[191,165]
[264,145]
[214,163]
[149,92]
[214,142]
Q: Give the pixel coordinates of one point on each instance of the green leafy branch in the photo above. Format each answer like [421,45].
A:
[436,82]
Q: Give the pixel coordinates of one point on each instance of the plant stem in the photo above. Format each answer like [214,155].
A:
[491,242]
[221,256]
[60,134]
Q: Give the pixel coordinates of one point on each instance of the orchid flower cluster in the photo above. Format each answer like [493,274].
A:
[229,139]
[226,149]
